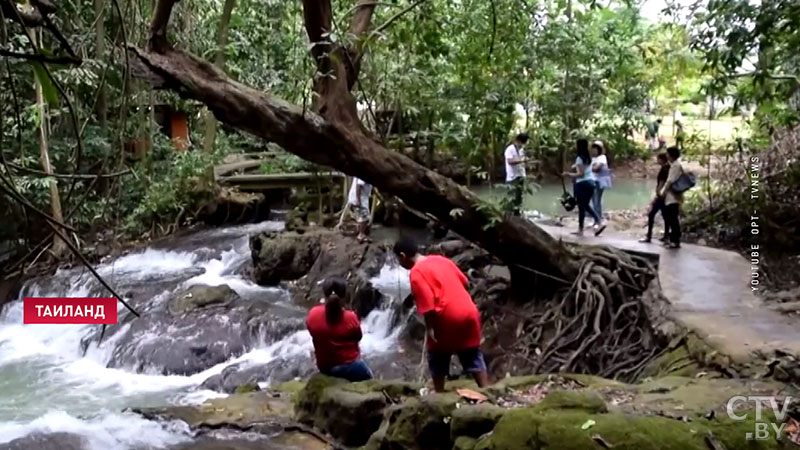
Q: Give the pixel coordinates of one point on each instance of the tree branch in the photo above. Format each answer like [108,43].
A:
[68,59]
[158,26]
[69,176]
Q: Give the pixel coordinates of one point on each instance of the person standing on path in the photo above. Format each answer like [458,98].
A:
[452,321]
[514,156]
[658,202]
[602,174]
[673,200]
[358,200]
[652,135]
[336,332]
[584,187]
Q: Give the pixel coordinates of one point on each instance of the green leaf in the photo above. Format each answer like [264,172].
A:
[48,88]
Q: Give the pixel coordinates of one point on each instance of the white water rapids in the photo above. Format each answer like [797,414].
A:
[48,384]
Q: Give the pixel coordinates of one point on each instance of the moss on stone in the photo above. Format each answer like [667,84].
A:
[246,388]
[308,399]
[421,423]
[464,443]
[588,401]
[474,420]
[534,428]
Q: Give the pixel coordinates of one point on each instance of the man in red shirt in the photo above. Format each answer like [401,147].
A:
[336,333]
[451,318]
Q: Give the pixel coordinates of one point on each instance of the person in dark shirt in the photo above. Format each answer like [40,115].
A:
[658,202]
[336,333]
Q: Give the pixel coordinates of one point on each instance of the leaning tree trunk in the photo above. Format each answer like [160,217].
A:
[332,135]
[597,325]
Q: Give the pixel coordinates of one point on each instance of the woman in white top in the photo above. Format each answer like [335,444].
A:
[602,175]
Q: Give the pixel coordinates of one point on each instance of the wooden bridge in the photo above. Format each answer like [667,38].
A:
[233,174]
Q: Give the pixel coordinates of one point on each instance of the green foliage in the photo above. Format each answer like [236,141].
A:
[180,183]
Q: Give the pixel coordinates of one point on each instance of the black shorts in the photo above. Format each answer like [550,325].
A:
[471,360]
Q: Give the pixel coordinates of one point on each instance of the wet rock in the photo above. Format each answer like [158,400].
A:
[312,257]
[238,411]
[276,371]
[198,297]
[48,441]
[283,257]
[229,206]
[196,329]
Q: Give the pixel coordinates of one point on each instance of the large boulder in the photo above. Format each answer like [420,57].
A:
[282,256]
[350,412]
[310,258]
[197,328]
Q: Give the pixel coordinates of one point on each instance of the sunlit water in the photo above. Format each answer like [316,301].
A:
[48,384]
[624,194]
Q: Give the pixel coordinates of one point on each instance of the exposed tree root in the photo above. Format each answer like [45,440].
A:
[599,324]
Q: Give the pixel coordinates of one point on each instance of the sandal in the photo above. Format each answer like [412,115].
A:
[600,230]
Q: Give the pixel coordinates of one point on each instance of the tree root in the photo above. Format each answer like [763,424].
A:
[598,324]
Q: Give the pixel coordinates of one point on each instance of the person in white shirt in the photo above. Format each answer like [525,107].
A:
[514,156]
[602,175]
[358,200]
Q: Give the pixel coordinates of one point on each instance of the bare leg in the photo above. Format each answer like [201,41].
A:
[438,384]
[482,378]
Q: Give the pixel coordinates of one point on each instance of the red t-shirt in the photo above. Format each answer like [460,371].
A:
[438,285]
[334,344]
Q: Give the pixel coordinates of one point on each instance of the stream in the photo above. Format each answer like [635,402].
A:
[48,383]
[625,193]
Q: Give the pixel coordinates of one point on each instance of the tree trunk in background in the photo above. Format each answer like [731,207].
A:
[219,61]
[59,246]
[101,107]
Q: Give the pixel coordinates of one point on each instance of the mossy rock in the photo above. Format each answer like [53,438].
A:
[421,423]
[237,410]
[582,400]
[536,428]
[246,388]
[474,420]
[350,417]
[308,399]
[199,296]
[290,387]
[464,443]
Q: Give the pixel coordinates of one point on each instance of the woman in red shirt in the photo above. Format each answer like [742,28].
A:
[336,333]
[451,318]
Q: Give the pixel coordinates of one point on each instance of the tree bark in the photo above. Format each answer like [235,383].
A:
[101,108]
[219,60]
[331,135]
[59,246]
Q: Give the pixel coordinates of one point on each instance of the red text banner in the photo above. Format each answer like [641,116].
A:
[70,310]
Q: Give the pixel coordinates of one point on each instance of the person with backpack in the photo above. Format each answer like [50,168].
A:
[514,156]
[336,332]
[672,191]
[658,202]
